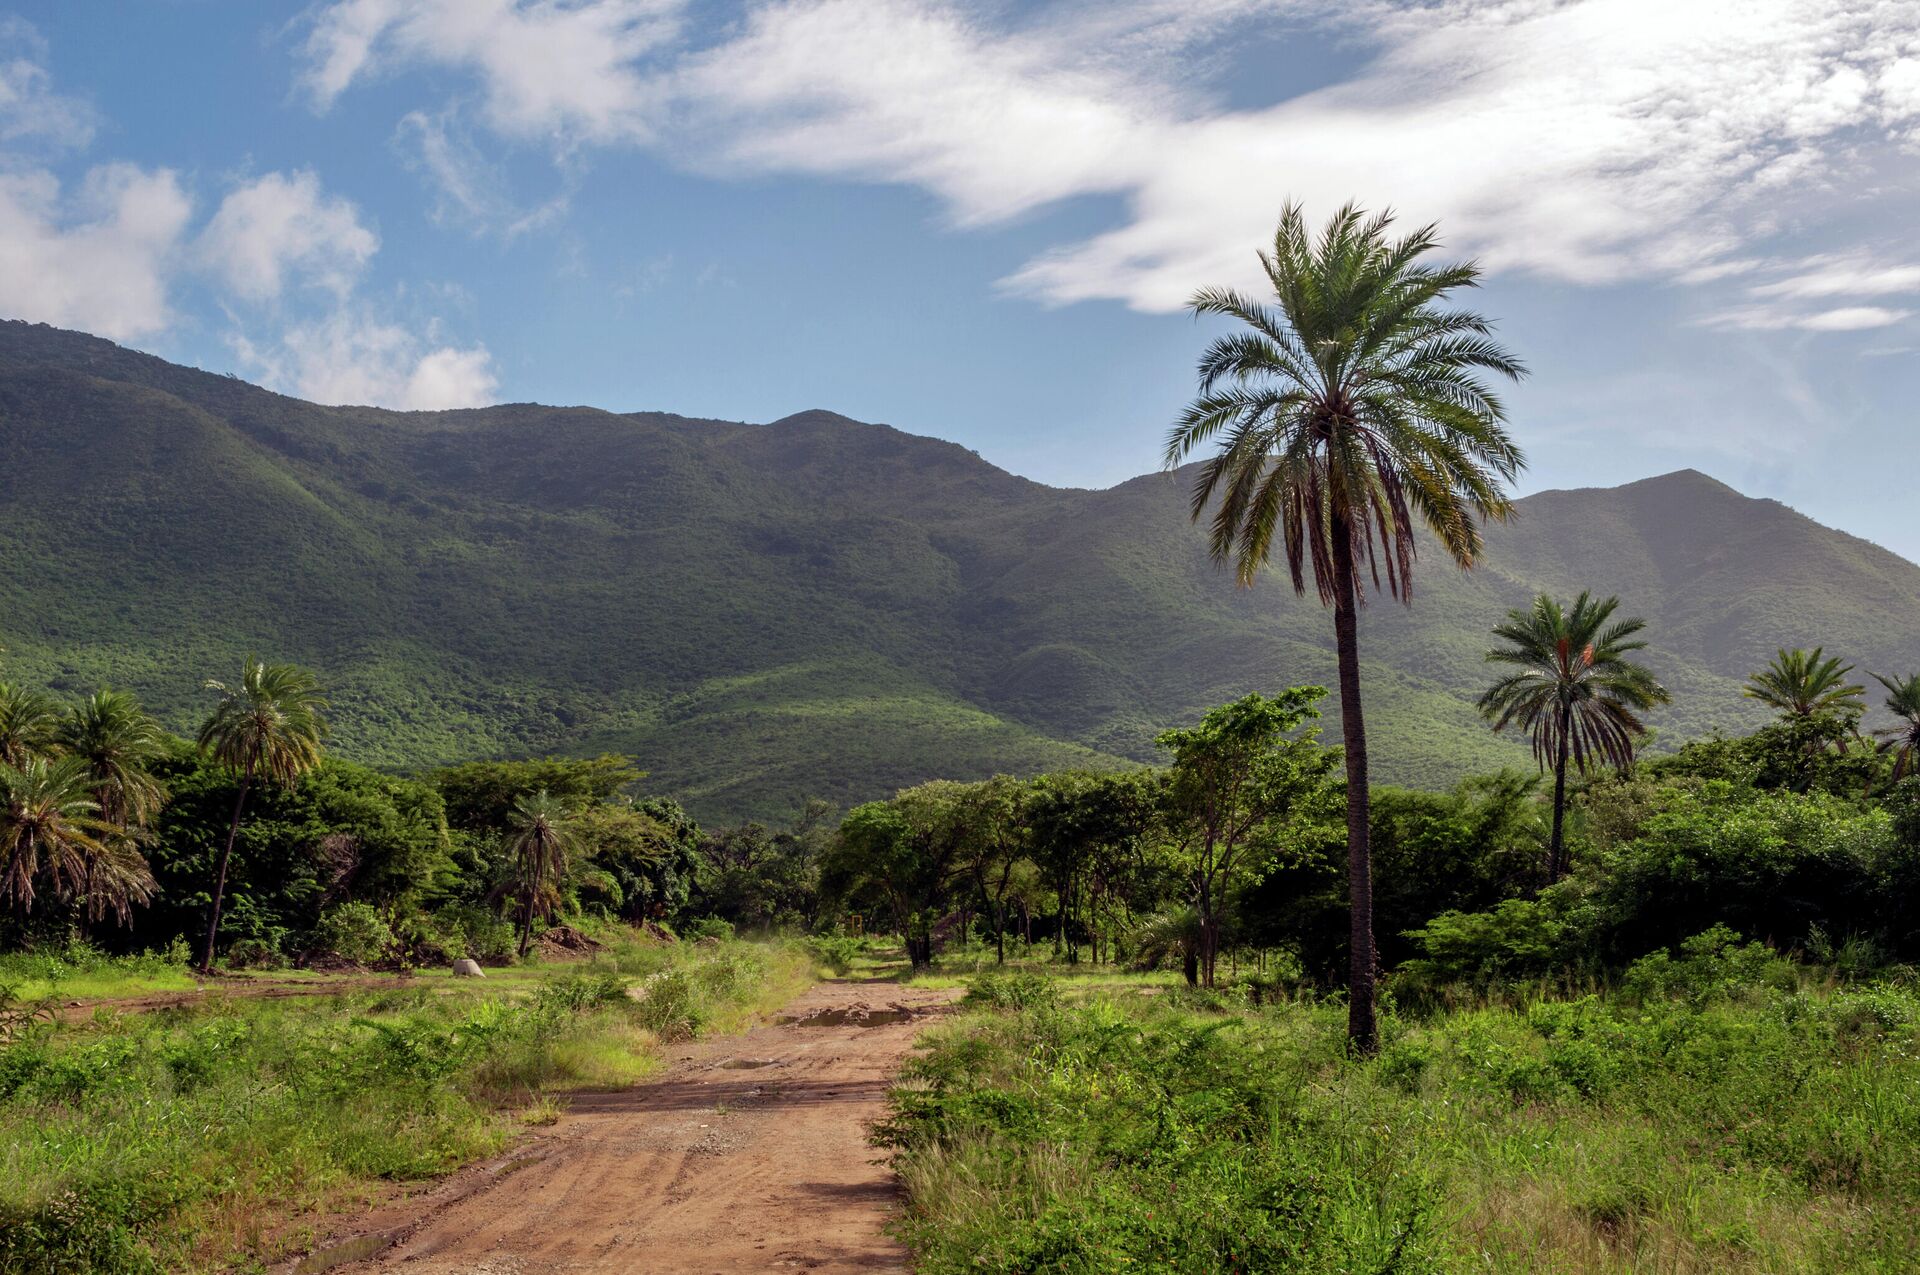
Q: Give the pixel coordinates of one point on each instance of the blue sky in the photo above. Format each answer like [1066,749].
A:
[979,221]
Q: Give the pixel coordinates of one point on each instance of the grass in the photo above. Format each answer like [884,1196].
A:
[1768,1125]
[198,1138]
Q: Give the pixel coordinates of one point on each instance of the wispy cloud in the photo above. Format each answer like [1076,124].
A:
[1583,140]
[1854,318]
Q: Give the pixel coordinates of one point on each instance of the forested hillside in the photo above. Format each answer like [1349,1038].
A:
[763,613]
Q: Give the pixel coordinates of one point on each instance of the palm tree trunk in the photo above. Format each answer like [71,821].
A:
[1557,847]
[1362,1035]
[220,873]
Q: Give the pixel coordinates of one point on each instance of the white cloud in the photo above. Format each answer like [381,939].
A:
[98,260]
[1849,275]
[97,256]
[1763,318]
[354,357]
[30,111]
[1584,140]
[549,70]
[469,189]
[283,224]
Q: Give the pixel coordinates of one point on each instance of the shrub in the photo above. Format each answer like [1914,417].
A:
[707,927]
[1011,991]
[353,932]
[837,952]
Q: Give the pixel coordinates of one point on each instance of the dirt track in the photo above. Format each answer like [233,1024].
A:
[749,1154]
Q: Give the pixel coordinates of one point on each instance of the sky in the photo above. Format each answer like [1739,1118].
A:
[982,221]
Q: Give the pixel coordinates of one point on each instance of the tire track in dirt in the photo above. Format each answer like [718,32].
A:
[749,1154]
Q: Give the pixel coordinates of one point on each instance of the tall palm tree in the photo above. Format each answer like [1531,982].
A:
[48,828]
[1902,739]
[1802,685]
[118,741]
[1574,691]
[267,727]
[29,724]
[542,843]
[1349,408]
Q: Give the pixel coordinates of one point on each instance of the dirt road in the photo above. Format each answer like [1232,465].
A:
[749,1154]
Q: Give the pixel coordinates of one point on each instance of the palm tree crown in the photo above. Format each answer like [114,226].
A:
[270,725]
[1800,684]
[117,740]
[1348,408]
[1902,739]
[49,829]
[1573,690]
[29,724]
[1573,684]
[542,843]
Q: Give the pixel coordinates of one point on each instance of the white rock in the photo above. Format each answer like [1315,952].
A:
[467,967]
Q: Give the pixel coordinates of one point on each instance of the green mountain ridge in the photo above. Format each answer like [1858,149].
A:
[763,613]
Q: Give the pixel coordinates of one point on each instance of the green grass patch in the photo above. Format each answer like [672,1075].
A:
[185,1139]
[1755,1128]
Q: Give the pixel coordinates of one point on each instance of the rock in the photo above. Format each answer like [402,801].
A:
[467,967]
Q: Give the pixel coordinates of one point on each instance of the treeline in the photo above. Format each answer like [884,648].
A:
[1805,833]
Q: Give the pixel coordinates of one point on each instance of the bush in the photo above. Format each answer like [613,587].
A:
[1011,991]
[707,927]
[1713,965]
[837,952]
[353,932]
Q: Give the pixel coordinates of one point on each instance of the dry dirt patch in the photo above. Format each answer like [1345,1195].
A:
[750,1154]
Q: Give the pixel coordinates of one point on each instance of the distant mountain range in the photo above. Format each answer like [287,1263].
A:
[763,613]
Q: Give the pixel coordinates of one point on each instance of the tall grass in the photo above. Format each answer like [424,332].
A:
[184,1139]
[1708,1116]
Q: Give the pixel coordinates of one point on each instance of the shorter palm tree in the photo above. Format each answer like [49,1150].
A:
[542,844]
[118,741]
[1574,691]
[269,726]
[1902,739]
[1800,685]
[29,724]
[49,830]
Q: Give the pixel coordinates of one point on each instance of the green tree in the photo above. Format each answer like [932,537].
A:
[542,846]
[268,727]
[994,813]
[29,724]
[1573,691]
[901,857]
[1236,781]
[481,795]
[1902,739]
[1800,684]
[53,840]
[1348,411]
[1085,831]
[119,743]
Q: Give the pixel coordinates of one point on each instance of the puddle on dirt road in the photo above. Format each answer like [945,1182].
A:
[855,1016]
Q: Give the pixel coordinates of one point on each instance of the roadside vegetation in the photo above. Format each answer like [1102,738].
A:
[196,1136]
[1714,1109]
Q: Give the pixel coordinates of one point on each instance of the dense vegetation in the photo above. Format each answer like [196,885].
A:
[1717,1109]
[815,608]
[186,1138]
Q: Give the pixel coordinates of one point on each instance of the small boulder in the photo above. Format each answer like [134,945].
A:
[467,967]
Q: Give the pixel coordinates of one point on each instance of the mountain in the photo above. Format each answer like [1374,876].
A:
[763,613]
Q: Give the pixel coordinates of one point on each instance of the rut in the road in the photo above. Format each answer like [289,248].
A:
[750,1154]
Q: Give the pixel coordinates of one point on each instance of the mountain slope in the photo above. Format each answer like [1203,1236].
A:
[763,613]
